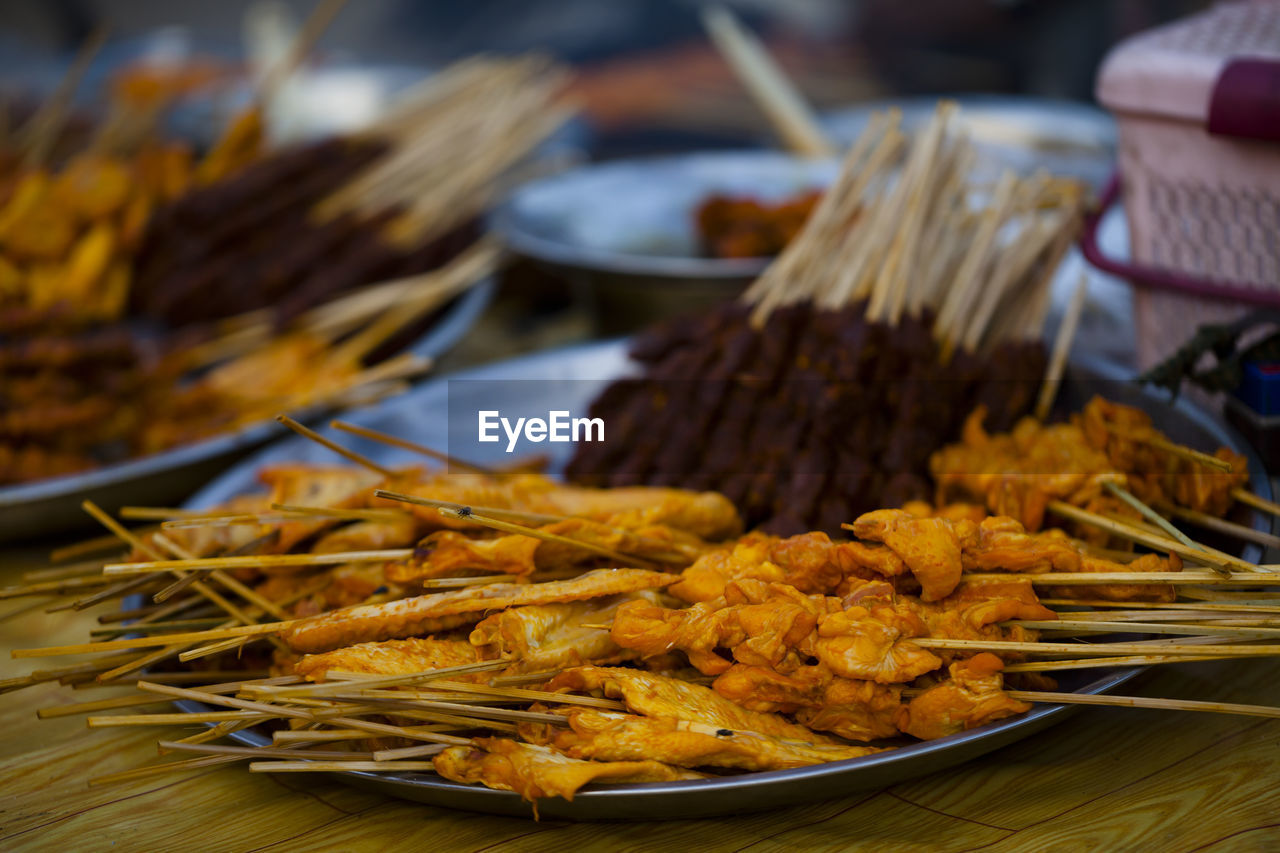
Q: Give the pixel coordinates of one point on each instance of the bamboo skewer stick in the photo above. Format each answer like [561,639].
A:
[307,432]
[1104,649]
[1061,349]
[342,683]
[407,752]
[455,583]
[1161,605]
[266,751]
[1157,519]
[532,518]
[1136,534]
[267,560]
[1110,662]
[54,573]
[465,514]
[145,642]
[1186,578]
[1247,497]
[1159,442]
[1107,627]
[374,435]
[1221,525]
[777,97]
[1143,702]
[296,713]
[339,766]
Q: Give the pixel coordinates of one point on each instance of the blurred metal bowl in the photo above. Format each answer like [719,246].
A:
[53,505]
[626,229]
[1024,134]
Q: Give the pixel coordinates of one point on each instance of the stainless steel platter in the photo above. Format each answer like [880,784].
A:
[29,510]
[625,229]
[569,379]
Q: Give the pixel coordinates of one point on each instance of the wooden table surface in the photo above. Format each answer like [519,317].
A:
[1105,780]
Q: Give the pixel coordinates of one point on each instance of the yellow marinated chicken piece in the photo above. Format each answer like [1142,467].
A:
[393,657]
[930,547]
[555,636]
[430,614]
[535,771]
[611,736]
[653,695]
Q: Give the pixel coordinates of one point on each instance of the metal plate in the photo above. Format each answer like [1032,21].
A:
[28,510]
[569,379]
[1024,134]
[636,217]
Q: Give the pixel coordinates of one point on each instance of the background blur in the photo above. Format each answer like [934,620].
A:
[649,77]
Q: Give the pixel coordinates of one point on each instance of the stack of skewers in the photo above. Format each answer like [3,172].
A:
[910,296]
[504,629]
[140,286]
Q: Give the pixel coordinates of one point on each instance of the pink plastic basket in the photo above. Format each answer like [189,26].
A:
[1197,105]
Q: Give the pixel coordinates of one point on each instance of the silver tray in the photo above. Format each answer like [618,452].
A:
[29,510]
[636,217]
[569,379]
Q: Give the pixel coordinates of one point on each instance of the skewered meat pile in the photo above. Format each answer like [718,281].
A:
[411,629]
[1020,472]
[138,248]
[864,344]
[744,227]
[792,421]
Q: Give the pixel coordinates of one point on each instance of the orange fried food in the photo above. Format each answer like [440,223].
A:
[972,697]
[1156,475]
[612,736]
[810,562]
[555,636]
[212,540]
[534,771]
[653,695]
[430,614]
[1002,544]
[958,511]
[853,709]
[760,623]
[315,485]
[393,657]
[368,536]
[1018,473]
[874,644]
[982,603]
[446,553]
[707,515]
[930,547]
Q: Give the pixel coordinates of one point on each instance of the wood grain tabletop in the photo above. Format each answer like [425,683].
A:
[1107,779]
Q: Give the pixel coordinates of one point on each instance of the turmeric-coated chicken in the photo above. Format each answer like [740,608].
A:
[930,547]
[392,657]
[551,637]
[535,771]
[972,697]
[613,736]
[653,695]
[430,614]
[853,709]
[447,553]
[810,562]
[1155,475]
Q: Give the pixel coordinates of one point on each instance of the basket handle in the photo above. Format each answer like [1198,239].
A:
[1158,279]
